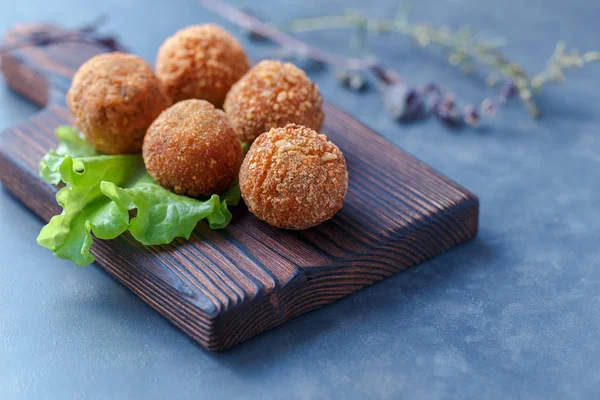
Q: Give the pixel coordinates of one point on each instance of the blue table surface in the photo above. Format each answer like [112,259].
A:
[512,314]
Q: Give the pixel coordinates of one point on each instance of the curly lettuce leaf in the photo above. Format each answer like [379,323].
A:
[69,143]
[100,191]
[162,215]
[85,208]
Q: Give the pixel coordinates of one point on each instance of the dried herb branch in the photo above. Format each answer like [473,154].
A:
[462,49]
[560,61]
[260,29]
[87,33]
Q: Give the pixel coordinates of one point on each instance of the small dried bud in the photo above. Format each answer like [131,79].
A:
[471,116]
[591,56]
[356,82]
[509,90]
[431,87]
[492,80]
[423,39]
[353,80]
[525,94]
[449,101]
[402,102]
[447,112]
[488,107]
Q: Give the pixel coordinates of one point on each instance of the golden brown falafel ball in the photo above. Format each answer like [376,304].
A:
[200,62]
[114,97]
[293,178]
[191,149]
[271,95]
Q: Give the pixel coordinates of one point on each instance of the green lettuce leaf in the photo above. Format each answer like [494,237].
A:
[100,191]
[85,208]
[69,143]
[162,215]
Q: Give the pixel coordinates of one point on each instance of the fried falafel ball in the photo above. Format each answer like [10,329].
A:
[114,97]
[191,149]
[200,62]
[273,94]
[293,178]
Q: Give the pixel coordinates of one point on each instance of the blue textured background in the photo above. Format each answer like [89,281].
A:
[513,314]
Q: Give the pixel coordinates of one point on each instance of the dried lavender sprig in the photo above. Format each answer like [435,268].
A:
[463,50]
[460,44]
[561,60]
[86,33]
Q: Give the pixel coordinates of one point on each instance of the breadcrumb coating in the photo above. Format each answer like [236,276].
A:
[293,178]
[114,97]
[200,62]
[273,94]
[191,149]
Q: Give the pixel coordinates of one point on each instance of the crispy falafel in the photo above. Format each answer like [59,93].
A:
[200,62]
[114,97]
[191,149]
[273,94]
[293,178]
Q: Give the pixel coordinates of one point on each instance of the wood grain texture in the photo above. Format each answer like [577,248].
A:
[223,287]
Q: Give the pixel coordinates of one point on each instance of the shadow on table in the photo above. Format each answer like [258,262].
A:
[365,306]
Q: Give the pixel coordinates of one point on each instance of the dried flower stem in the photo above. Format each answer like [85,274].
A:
[85,33]
[560,61]
[462,47]
[299,47]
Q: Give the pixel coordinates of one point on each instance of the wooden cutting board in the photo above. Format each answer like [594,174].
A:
[223,287]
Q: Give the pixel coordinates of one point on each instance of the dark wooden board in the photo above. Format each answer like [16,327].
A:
[223,287]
